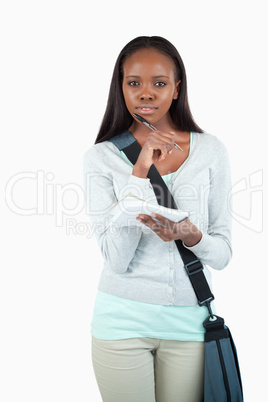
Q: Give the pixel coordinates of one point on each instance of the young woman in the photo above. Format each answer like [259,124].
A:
[147,333]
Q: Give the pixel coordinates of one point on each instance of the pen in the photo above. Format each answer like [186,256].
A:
[149,125]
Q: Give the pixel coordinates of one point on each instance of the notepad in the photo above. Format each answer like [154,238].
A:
[125,211]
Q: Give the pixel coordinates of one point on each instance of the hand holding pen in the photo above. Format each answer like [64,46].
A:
[149,125]
[156,147]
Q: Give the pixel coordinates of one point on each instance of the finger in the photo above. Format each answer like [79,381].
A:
[168,147]
[157,225]
[158,229]
[165,150]
[160,136]
[162,220]
[173,140]
[160,141]
[148,221]
[168,136]
[154,143]
[162,155]
[160,151]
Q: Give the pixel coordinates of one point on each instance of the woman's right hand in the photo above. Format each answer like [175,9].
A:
[156,147]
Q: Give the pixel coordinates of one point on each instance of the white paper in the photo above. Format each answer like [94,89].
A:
[128,208]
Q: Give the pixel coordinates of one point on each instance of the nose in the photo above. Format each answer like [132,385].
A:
[146,97]
[146,94]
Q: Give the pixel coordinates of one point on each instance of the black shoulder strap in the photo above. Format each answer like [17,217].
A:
[192,264]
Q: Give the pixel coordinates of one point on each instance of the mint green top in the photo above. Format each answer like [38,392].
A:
[119,318]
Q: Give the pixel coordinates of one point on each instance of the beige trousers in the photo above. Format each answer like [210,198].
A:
[149,370]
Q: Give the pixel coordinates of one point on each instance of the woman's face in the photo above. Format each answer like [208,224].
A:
[149,85]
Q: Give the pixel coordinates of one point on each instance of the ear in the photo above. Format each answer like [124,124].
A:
[177,90]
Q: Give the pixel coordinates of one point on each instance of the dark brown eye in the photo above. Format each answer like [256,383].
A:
[160,83]
[133,83]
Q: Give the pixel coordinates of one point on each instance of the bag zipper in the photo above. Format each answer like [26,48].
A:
[225,377]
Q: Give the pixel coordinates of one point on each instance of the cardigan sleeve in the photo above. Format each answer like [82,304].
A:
[214,248]
[117,244]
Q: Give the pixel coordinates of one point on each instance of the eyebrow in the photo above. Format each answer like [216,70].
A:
[155,76]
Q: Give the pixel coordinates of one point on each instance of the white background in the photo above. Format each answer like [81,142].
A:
[57,59]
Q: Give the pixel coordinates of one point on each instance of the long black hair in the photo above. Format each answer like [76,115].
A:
[117,118]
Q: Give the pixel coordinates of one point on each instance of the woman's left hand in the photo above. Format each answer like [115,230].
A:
[168,230]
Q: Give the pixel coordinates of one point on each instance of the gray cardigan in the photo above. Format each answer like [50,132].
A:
[138,265]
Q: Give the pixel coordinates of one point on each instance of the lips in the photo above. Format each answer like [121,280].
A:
[146,109]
